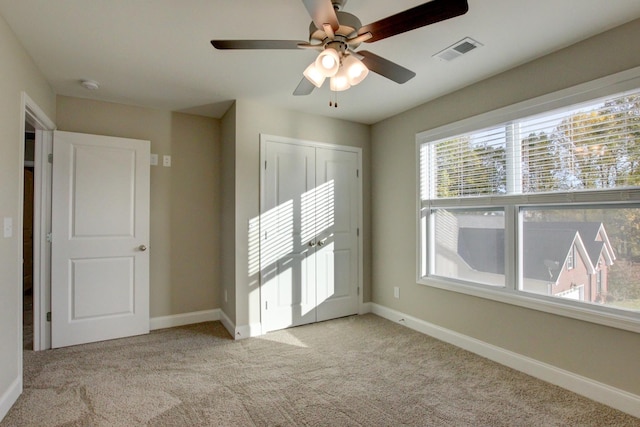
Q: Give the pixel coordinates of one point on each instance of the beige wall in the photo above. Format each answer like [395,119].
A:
[185,242]
[605,354]
[252,119]
[18,73]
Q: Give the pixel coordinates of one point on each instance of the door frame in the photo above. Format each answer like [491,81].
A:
[31,113]
[264,139]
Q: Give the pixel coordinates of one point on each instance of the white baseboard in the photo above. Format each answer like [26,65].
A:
[242,331]
[248,331]
[184,319]
[600,392]
[10,396]
[228,324]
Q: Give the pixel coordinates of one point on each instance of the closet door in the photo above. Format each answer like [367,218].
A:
[309,251]
[337,213]
[288,291]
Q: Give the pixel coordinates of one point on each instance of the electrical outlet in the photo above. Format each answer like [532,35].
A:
[166,161]
[396,292]
[154,159]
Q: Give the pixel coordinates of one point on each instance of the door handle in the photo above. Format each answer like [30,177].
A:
[312,243]
[142,248]
[321,243]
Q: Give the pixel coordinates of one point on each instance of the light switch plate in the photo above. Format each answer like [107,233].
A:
[154,159]
[166,161]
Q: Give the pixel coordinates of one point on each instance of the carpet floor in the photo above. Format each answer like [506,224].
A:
[355,371]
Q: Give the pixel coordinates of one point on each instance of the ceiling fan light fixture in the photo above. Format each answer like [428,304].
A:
[356,71]
[328,62]
[340,81]
[314,75]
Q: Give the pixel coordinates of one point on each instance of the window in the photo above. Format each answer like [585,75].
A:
[542,209]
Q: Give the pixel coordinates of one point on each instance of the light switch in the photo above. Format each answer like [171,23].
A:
[166,161]
[154,159]
[8,227]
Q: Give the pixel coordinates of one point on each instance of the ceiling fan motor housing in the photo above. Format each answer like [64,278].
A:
[349,26]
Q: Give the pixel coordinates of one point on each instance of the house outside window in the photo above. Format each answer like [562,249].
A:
[570,258]
[503,208]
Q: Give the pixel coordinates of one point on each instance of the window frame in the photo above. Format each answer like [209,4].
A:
[512,205]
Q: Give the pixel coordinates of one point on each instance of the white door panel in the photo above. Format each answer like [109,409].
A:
[337,259]
[288,292]
[100,225]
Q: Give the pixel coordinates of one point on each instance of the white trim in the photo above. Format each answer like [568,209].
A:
[10,396]
[248,331]
[600,392]
[242,331]
[31,113]
[228,324]
[174,320]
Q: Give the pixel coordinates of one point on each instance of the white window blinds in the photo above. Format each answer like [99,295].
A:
[588,147]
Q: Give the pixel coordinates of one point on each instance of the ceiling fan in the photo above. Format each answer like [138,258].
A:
[337,35]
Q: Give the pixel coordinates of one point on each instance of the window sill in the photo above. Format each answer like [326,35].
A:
[606,316]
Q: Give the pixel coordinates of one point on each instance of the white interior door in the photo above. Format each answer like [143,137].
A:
[309,244]
[286,224]
[100,234]
[337,212]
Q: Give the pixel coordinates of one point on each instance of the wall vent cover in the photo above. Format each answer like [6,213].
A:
[458,49]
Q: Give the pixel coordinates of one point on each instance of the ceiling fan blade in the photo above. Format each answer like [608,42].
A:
[305,87]
[256,44]
[322,12]
[416,17]
[386,68]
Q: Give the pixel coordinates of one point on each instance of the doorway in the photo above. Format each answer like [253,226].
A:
[35,147]
[27,236]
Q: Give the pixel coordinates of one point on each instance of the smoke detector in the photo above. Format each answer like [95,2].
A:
[90,84]
[458,49]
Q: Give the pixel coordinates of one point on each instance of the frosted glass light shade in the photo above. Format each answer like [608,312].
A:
[314,75]
[356,71]
[340,81]
[328,62]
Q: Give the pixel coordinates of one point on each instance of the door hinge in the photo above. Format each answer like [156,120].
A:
[358,231]
[266,305]
[358,290]
[265,165]
[49,237]
[50,158]
[48,316]
[357,173]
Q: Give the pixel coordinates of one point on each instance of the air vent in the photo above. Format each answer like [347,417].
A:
[458,49]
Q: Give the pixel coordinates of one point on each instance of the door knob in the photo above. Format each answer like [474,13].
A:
[142,248]
[312,243]
[321,243]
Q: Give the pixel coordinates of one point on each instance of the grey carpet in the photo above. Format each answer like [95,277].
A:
[357,371]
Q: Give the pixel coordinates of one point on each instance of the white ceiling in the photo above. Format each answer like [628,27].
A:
[156,53]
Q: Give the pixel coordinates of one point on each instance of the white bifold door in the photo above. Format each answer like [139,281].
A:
[100,234]
[309,248]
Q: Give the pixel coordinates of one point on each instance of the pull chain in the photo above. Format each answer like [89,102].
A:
[334,103]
